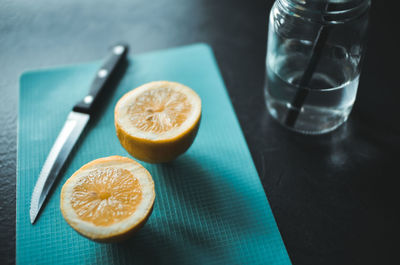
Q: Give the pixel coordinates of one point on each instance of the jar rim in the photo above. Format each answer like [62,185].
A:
[326,11]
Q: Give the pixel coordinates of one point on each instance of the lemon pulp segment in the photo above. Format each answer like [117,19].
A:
[159,110]
[106,196]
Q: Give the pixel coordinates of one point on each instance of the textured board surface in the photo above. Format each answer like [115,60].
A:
[210,206]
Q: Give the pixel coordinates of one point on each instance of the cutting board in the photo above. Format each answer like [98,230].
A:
[210,206]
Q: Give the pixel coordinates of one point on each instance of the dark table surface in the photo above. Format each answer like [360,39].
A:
[333,196]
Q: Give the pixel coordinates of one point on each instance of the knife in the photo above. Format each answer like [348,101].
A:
[76,122]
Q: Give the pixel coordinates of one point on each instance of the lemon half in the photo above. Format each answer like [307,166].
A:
[108,199]
[158,121]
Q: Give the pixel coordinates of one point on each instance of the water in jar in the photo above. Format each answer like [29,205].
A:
[331,90]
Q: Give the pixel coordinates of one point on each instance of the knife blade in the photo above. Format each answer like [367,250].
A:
[75,124]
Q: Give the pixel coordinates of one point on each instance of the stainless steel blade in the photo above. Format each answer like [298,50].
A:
[59,153]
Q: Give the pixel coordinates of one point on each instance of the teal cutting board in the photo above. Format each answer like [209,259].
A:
[210,207]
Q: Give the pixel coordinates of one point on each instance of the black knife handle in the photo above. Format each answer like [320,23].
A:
[87,104]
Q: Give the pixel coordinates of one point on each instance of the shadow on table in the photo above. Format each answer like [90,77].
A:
[208,194]
[192,219]
[148,246]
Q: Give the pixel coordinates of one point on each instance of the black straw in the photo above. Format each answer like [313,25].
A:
[302,92]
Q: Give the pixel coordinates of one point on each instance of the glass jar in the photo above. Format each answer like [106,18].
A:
[313,63]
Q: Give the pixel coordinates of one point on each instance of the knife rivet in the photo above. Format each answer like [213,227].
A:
[102,73]
[88,99]
[119,49]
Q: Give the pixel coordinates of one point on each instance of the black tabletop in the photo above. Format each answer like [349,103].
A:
[333,196]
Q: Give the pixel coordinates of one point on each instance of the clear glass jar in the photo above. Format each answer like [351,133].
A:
[313,63]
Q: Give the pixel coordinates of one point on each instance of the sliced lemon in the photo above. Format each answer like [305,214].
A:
[158,121]
[108,199]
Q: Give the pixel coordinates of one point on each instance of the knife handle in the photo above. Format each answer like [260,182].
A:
[86,105]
